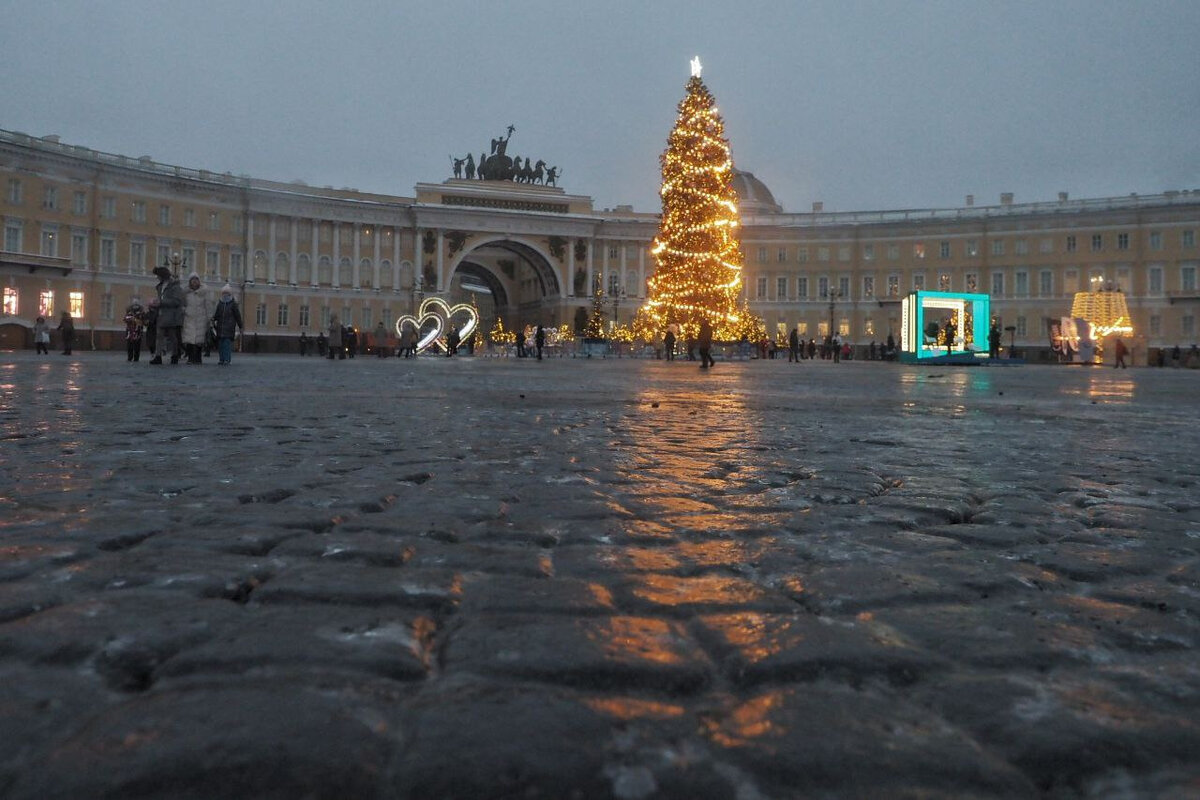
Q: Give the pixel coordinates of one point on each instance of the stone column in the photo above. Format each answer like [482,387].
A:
[292,266]
[337,254]
[247,271]
[571,268]
[271,252]
[396,260]
[314,256]
[354,262]
[441,279]
[418,259]
[375,270]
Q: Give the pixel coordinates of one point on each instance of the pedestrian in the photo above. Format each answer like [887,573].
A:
[228,319]
[335,338]
[669,343]
[812,349]
[520,342]
[704,341]
[1120,350]
[67,326]
[835,346]
[539,340]
[41,336]
[350,340]
[135,321]
[890,353]
[321,344]
[254,343]
[871,351]
[794,346]
[1176,355]
[951,331]
[452,340]
[197,313]
[169,307]
[303,344]
[380,339]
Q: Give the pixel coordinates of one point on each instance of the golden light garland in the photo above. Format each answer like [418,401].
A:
[698,258]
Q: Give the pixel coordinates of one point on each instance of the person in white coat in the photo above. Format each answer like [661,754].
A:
[197,311]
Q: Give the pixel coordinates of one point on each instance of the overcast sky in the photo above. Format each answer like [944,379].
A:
[862,105]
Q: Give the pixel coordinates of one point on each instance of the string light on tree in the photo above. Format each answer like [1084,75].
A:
[698,259]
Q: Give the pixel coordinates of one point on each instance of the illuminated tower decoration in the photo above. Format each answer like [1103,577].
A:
[698,260]
[1105,309]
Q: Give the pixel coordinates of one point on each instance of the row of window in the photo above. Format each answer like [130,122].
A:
[999,247]
[1020,286]
[46,307]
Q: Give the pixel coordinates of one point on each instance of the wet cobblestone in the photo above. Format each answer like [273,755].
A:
[464,578]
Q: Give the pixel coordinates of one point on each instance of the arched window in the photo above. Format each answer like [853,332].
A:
[344,273]
[406,275]
[325,271]
[283,266]
[260,266]
[303,270]
[386,279]
[366,273]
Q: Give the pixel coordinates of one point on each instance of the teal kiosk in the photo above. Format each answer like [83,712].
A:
[927,318]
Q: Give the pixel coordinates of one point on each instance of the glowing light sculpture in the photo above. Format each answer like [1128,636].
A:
[441,317]
[698,259]
[1105,310]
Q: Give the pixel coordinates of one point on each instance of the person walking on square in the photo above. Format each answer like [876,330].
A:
[793,346]
[303,344]
[951,332]
[669,343]
[67,326]
[1121,351]
[197,311]
[169,305]
[539,340]
[41,336]
[335,338]
[321,344]
[994,341]
[380,340]
[134,328]
[349,340]
[228,319]
[704,341]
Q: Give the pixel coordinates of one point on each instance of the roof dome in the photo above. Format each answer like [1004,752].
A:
[753,195]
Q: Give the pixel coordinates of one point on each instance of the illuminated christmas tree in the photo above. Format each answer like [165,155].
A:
[595,324]
[699,261]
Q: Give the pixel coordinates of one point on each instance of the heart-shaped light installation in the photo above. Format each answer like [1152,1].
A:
[441,314]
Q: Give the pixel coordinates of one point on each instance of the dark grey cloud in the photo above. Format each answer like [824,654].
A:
[858,104]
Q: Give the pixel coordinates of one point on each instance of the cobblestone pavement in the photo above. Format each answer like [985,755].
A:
[460,578]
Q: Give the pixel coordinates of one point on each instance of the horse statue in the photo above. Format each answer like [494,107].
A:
[537,175]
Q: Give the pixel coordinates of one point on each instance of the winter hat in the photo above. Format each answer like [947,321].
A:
[227,289]
[195,275]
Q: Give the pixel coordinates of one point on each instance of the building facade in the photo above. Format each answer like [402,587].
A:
[84,229]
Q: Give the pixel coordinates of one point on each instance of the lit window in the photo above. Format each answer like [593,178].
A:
[46,304]
[10,301]
[868,289]
[893,285]
[971,281]
[944,282]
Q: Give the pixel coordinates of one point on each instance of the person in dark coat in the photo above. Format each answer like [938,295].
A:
[704,342]
[794,346]
[669,343]
[66,326]
[539,340]
[169,305]
[951,331]
[303,343]
[228,320]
